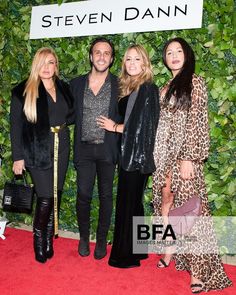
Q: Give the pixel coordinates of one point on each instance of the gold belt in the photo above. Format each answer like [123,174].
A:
[56,130]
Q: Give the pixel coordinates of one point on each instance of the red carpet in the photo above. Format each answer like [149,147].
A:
[68,273]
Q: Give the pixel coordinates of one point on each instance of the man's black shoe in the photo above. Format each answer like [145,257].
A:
[100,250]
[83,248]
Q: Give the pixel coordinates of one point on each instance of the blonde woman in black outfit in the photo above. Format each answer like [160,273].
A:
[139,108]
[38,104]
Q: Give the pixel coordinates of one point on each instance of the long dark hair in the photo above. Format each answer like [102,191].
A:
[181,86]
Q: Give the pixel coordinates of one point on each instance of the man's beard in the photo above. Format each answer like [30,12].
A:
[100,71]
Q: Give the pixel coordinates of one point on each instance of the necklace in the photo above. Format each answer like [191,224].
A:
[51,88]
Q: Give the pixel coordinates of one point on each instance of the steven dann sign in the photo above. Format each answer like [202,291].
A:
[99,17]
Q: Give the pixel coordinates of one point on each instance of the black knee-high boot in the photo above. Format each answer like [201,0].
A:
[49,236]
[42,213]
[50,228]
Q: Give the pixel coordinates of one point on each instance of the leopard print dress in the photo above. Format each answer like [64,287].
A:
[184,135]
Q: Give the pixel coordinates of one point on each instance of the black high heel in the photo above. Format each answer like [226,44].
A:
[162,264]
[198,285]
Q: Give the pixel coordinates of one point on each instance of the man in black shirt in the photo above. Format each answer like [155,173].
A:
[95,150]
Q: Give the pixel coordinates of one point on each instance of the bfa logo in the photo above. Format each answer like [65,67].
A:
[144,231]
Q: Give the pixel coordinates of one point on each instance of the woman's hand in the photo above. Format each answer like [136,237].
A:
[18,167]
[105,123]
[186,170]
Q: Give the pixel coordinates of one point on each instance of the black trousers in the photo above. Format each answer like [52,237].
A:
[93,162]
[129,203]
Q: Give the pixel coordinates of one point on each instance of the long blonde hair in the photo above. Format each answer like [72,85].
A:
[32,84]
[128,83]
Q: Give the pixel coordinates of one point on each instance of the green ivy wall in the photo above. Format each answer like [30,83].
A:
[214,45]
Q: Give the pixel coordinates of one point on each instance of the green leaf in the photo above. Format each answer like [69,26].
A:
[233,50]
[232,189]
[209,44]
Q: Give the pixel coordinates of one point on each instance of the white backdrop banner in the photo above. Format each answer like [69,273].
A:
[99,17]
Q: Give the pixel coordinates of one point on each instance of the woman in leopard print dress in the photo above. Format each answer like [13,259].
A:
[181,146]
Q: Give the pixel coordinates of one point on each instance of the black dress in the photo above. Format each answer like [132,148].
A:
[131,186]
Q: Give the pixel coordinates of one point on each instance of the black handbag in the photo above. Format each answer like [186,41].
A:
[18,197]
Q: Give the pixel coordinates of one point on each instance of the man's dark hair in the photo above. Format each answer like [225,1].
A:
[104,40]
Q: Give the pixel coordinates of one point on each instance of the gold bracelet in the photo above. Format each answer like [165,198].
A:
[116,127]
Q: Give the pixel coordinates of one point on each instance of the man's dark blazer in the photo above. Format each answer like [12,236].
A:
[111,138]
